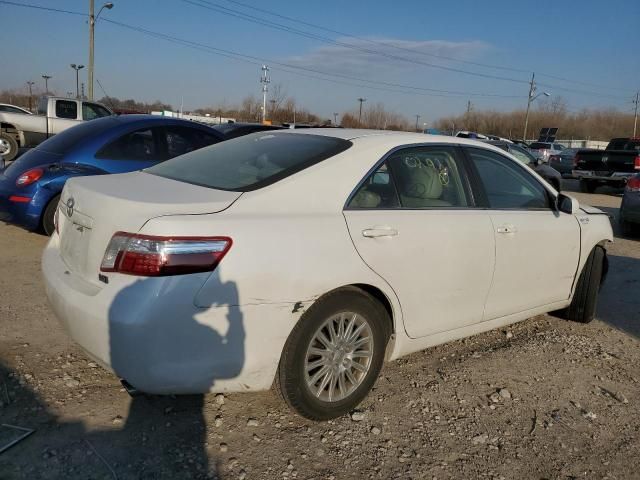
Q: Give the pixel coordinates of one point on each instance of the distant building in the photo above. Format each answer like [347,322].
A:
[212,120]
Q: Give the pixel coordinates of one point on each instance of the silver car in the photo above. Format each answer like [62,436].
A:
[543,150]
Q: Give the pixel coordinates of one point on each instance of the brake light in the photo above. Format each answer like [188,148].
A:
[28,177]
[153,256]
[633,184]
[637,163]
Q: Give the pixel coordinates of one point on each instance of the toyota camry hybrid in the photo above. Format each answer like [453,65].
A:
[305,258]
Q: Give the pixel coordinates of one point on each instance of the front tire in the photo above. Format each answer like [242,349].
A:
[48,223]
[8,146]
[334,354]
[585,299]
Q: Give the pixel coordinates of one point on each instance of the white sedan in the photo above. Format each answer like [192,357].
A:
[308,257]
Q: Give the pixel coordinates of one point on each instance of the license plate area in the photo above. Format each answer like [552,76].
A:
[75,236]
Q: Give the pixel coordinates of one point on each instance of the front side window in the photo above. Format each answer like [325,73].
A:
[418,177]
[66,109]
[181,140]
[506,184]
[91,111]
[138,145]
[521,154]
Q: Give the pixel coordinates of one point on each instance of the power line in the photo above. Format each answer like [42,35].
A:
[40,7]
[238,14]
[278,26]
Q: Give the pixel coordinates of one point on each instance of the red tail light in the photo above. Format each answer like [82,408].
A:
[28,177]
[633,184]
[637,163]
[151,256]
[576,159]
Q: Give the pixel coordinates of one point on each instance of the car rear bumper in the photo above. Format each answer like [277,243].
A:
[24,213]
[615,177]
[149,332]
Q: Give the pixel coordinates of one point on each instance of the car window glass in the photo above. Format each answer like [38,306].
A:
[507,185]
[377,191]
[250,162]
[66,109]
[557,146]
[138,145]
[91,111]
[522,155]
[181,140]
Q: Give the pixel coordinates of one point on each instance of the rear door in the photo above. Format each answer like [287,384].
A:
[537,247]
[413,221]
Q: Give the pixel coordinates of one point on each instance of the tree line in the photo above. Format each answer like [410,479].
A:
[594,124]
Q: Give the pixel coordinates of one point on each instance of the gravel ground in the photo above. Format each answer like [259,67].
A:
[545,398]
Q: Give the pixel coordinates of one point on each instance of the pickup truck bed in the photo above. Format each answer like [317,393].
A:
[612,166]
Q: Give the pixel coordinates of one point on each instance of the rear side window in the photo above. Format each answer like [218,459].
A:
[181,140]
[506,184]
[137,145]
[521,154]
[250,162]
[66,109]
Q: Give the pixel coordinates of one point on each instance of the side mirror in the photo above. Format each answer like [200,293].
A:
[567,204]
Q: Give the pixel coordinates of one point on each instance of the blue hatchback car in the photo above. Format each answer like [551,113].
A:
[30,187]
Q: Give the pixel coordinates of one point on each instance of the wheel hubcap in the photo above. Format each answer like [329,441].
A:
[339,356]
[4,146]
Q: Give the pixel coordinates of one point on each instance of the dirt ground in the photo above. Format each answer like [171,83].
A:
[544,399]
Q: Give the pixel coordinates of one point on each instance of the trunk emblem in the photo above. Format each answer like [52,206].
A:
[70,204]
[605,158]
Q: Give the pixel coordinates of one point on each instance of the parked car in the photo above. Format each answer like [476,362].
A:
[309,257]
[544,150]
[630,206]
[5,107]
[30,187]
[545,171]
[613,166]
[54,115]
[233,130]
[563,161]
[522,143]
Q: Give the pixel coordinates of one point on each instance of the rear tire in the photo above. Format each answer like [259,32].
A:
[587,186]
[8,146]
[585,299]
[304,349]
[48,224]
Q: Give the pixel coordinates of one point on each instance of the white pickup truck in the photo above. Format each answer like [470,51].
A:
[54,114]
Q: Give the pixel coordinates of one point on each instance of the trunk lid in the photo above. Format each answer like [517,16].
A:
[31,159]
[605,162]
[92,209]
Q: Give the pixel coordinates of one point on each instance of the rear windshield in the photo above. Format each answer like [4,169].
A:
[250,162]
[538,146]
[65,140]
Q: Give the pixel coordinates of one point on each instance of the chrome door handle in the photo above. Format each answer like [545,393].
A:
[507,229]
[379,232]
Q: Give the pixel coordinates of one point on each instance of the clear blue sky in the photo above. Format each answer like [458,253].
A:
[588,41]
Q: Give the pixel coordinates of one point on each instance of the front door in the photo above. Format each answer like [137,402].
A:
[537,247]
[413,222]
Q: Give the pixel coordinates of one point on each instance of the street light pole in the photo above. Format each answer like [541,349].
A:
[417,118]
[361,100]
[30,93]
[530,99]
[46,83]
[635,114]
[92,25]
[335,118]
[77,68]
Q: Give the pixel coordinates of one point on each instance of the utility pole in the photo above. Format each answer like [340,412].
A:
[77,68]
[335,118]
[264,80]
[82,97]
[532,89]
[469,107]
[92,27]
[31,84]
[46,83]
[361,100]
[417,118]
[635,115]
[530,100]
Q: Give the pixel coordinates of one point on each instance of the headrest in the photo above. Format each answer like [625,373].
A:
[365,199]
[421,181]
